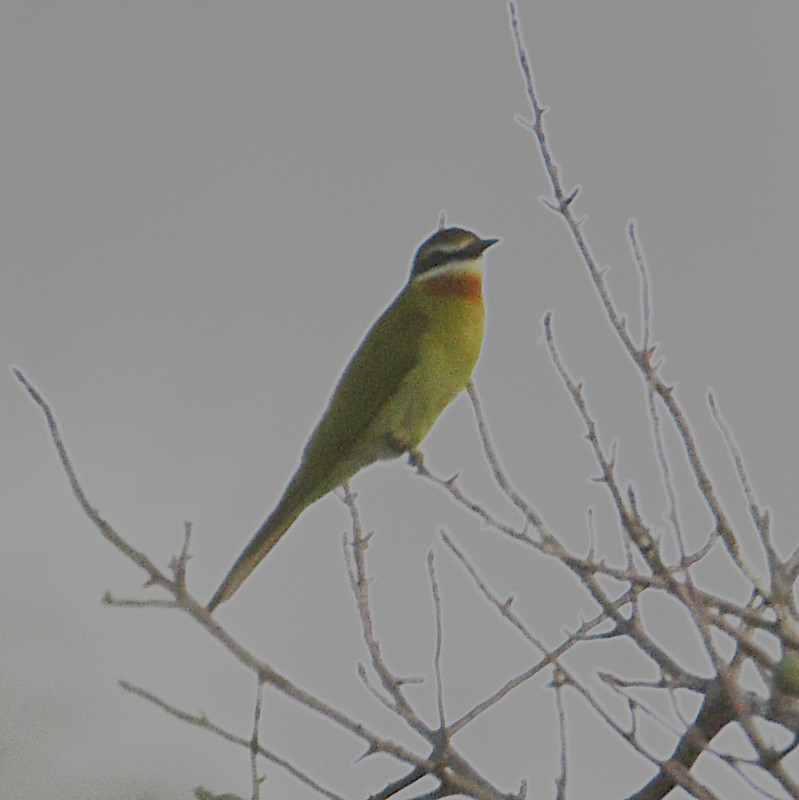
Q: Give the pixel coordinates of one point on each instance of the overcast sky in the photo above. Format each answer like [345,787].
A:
[205,205]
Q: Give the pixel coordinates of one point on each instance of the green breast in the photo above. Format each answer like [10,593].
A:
[447,353]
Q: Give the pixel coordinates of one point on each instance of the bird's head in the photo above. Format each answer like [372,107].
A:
[449,250]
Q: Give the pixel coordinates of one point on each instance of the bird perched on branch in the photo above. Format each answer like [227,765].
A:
[411,364]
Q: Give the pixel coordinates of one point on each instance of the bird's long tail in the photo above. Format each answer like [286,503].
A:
[263,540]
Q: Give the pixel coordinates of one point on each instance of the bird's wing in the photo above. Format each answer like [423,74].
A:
[385,357]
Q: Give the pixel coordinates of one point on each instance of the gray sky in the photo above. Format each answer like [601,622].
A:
[203,208]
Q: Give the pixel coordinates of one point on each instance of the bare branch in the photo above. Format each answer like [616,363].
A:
[431,571]
[499,473]
[255,744]
[562,779]
[642,358]
[155,575]
[202,722]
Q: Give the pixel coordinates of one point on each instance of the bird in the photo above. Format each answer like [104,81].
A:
[414,360]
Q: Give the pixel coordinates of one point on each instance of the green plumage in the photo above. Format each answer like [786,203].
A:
[411,364]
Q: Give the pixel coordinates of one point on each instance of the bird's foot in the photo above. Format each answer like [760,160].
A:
[416,459]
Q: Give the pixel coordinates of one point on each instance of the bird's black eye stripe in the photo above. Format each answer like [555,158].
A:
[437,257]
[432,260]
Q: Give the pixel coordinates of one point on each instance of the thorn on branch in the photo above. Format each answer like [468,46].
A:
[569,200]
[525,123]
[178,564]
[416,680]
[369,751]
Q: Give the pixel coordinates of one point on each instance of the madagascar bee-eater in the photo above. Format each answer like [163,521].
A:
[411,364]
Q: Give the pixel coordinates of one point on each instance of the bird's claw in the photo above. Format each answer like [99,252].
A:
[416,459]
